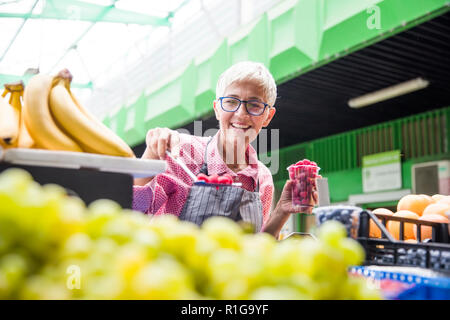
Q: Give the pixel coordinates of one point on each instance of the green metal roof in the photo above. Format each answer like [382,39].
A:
[79,10]
[86,14]
[292,38]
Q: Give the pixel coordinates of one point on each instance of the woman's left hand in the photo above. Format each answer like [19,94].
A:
[284,209]
[285,206]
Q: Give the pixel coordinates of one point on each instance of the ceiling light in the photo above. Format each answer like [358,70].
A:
[388,93]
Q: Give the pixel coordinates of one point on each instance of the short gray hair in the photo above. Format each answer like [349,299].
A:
[250,71]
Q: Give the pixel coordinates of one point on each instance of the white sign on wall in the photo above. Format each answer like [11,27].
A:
[382,171]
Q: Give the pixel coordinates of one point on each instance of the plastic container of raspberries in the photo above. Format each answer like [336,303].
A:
[304,174]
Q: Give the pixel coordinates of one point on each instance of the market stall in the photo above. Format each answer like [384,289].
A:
[159,174]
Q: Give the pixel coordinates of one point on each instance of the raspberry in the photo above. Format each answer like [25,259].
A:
[214,178]
[202,177]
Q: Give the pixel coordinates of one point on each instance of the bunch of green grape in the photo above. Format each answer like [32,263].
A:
[54,247]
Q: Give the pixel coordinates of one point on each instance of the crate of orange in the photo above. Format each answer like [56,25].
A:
[417,234]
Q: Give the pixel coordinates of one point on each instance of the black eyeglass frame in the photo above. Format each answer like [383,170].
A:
[266,105]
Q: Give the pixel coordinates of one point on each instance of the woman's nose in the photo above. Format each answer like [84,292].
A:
[242,111]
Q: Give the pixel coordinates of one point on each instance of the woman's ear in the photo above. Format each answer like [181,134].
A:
[215,109]
[269,116]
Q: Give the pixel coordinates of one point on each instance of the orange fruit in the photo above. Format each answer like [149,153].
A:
[394,226]
[437,208]
[425,231]
[445,199]
[374,231]
[437,197]
[414,202]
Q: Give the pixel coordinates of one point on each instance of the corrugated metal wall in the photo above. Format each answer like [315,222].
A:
[419,136]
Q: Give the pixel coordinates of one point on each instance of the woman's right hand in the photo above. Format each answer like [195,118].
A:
[158,141]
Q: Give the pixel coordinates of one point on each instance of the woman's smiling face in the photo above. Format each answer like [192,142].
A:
[239,125]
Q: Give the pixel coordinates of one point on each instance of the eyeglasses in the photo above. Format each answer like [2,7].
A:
[253,107]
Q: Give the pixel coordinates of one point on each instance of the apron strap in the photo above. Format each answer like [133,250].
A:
[204,168]
[257,184]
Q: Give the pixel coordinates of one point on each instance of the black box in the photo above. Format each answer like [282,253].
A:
[89,185]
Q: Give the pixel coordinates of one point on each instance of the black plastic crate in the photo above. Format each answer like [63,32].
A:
[87,184]
[387,251]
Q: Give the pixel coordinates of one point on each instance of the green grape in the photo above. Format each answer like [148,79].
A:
[253,267]
[31,197]
[79,245]
[288,258]
[160,224]
[235,289]
[119,229]
[223,231]
[99,213]
[73,209]
[163,279]
[13,269]
[331,232]
[104,249]
[149,240]
[14,181]
[136,218]
[359,289]
[7,236]
[129,260]
[260,243]
[180,241]
[104,287]
[104,207]
[54,192]
[302,283]
[353,252]
[223,265]
[123,254]
[39,287]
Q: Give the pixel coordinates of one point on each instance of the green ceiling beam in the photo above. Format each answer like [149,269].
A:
[74,45]
[83,11]
[17,32]
[8,78]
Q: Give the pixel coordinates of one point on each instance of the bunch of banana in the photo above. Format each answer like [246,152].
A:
[15,100]
[39,120]
[57,121]
[9,123]
[13,132]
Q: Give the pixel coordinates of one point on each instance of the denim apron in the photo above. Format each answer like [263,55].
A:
[206,200]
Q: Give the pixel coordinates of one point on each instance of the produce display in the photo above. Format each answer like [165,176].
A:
[54,247]
[417,207]
[52,118]
[304,173]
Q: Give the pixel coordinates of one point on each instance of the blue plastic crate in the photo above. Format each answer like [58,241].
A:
[423,287]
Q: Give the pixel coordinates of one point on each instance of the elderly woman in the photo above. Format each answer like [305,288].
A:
[245,98]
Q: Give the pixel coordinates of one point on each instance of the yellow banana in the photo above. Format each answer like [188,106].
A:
[38,118]
[16,89]
[9,123]
[92,135]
